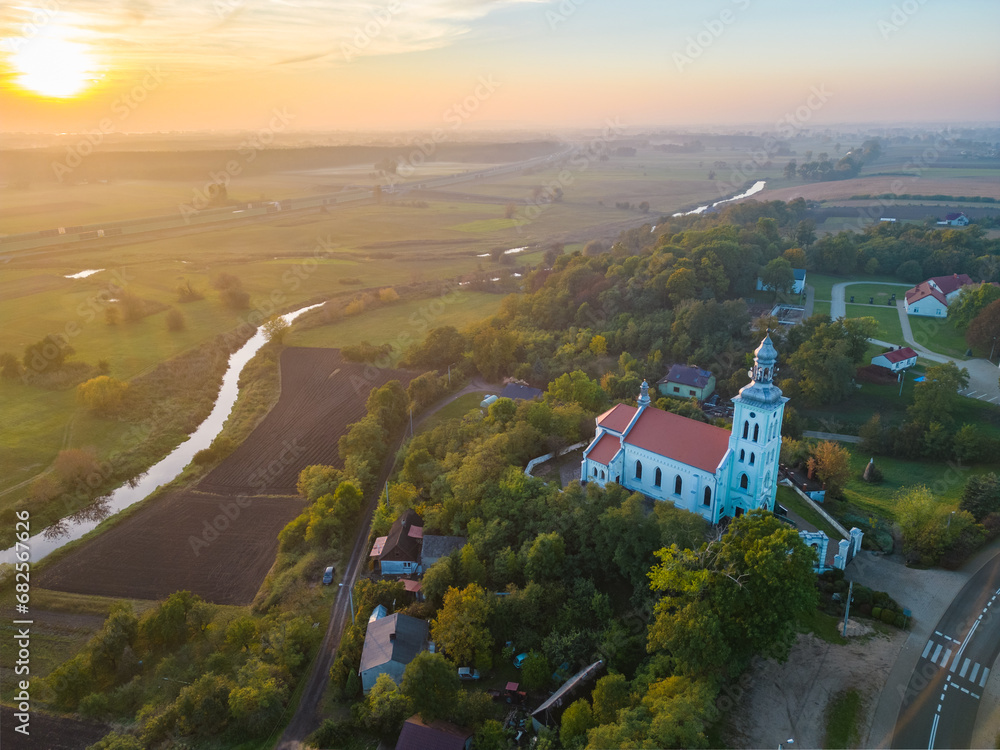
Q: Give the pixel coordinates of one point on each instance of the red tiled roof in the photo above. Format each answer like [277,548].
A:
[605,449]
[948,284]
[416,532]
[686,440]
[898,355]
[411,585]
[617,418]
[923,290]
[377,547]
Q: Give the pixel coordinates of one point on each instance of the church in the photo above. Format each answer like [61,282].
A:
[704,469]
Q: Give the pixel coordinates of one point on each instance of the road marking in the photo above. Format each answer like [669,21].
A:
[974,696]
[994,399]
[975,671]
[964,691]
[982,680]
[937,718]
[927,649]
[937,652]
[965,667]
[944,659]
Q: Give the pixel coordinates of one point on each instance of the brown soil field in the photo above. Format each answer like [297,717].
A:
[219,539]
[49,732]
[217,547]
[823,191]
[321,394]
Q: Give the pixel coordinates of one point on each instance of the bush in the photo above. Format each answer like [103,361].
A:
[175,320]
[900,620]
[877,613]
[332,734]
[888,616]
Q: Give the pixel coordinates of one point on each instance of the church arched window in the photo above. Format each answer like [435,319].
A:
[708,496]
[638,469]
[658,478]
[752,458]
[743,455]
[678,485]
[602,473]
[746,429]
[744,481]
[756,432]
[595,471]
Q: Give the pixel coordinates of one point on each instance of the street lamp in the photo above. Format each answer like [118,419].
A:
[350,593]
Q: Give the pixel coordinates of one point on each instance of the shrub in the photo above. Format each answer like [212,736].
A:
[102,394]
[900,620]
[888,616]
[388,294]
[187,293]
[877,613]
[175,320]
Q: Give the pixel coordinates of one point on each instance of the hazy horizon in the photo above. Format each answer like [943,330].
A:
[308,65]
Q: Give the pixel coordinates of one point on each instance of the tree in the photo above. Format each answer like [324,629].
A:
[431,682]
[317,480]
[10,368]
[493,352]
[732,598]
[275,329]
[576,388]
[934,398]
[972,301]
[611,694]
[102,394]
[984,330]
[231,291]
[175,320]
[109,643]
[535,671]
[790,170]
[509,210]
[598,345]
[389,405]
[805,233]
[442,347]
[576,720]
[928,525]
[981,496]
[778,275]
[490,736]
[546,557]
[117,741]
[47,355]
[385,708]
[460,628]
[832,465]
[682,285]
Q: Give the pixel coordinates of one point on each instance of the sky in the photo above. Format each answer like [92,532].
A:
[391,65]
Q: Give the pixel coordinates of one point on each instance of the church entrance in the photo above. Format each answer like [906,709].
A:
[739,512]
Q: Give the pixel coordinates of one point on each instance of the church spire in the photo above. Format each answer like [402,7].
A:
[644,394]
[765,359]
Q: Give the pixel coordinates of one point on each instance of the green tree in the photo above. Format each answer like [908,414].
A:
[611,694]
[928,525]
[443,346]
[275,329]
[972,301]
[117,741]
[490,736]
[805,233]
[935,397]
[389,405]
[317,480]
[385,708]
[102,394]
[460,627]
[175,320]
[431,683]
[734,597]
[981,496]
[10,368]
[682,285]
[109,643]
[778,275]
[576,720]
[832,465]
[984,330]
[257,701]
[546,557]
[576,388]
[47,355]
[536,671]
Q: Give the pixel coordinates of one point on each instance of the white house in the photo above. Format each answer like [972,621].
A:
[702,468]
[798,285]
[955,220]
[896,360]
[931,298]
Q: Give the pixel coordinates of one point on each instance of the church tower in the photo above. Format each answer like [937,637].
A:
[756,436]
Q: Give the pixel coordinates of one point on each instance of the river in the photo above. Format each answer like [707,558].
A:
[75,526]
[752,190]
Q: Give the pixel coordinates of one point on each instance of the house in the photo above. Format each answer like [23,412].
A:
[798,285]
[931,298]
[685,381]
[897,359]
[955,220]
[518,392]
[398,553]
[435,547]
[390,644]
[436,735]
[708,470]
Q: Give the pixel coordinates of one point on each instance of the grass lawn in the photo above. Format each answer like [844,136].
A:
[881,293]
[401,324]
[455,410]
[842,717]
[889,328]
[791,500]
[939,336]
[823,626]
[821,307]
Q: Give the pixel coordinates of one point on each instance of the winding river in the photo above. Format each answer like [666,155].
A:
[75,526]
[752,190]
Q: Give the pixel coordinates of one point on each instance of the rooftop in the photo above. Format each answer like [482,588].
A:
[901,354]
[436,735]
[687,375]
[520,392]
[397,638]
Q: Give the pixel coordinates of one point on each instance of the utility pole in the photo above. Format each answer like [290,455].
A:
[350,593]
[902,377]
[847,609]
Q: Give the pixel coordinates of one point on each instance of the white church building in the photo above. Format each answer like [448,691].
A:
[699,467]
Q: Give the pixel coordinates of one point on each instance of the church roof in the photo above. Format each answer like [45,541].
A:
[617,417]
[686,440]
[605,449]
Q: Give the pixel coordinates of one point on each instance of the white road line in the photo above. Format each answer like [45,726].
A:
[937,653]
[944,659]
[975,671]
[982,680]
[927,649]
[965,667]
[964,691]
[994,399]
[974,696]
[966,641]
[938,632]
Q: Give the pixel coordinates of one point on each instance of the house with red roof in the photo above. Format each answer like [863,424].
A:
[701,468]
[896,360]
[931,298]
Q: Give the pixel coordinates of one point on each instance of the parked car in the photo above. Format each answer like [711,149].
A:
[328,576]
[519,660]
[467,673]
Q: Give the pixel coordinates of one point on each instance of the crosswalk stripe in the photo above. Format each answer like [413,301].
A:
[982,680]
[937,653]
[927,649]
[965,668]
[944,659]
[975,671]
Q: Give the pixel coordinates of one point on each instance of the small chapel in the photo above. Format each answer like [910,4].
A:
[708,470]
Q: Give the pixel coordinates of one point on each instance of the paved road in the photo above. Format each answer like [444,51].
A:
[942,698]
[984,376]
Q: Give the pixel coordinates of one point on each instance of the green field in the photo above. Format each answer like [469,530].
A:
[821,308]
[889,328]
[881,293]
[939,336]
[790,499]
[402,323]
[455,410]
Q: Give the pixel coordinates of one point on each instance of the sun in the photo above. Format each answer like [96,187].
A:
[55,66]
